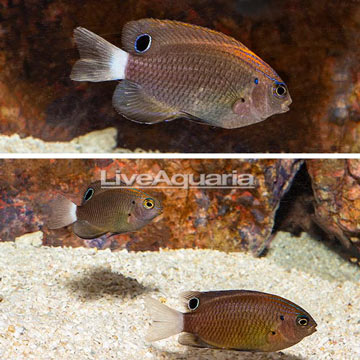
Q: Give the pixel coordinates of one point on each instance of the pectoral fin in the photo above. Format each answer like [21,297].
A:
[132,102]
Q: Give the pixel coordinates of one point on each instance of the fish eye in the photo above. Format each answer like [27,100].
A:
[302,320]
[280,90]
[89,193]
[142,43]
[193,303]
[148,203]
[256,81]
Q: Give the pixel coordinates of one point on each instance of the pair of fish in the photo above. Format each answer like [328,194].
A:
[233,319]
[105,210]
[169,69]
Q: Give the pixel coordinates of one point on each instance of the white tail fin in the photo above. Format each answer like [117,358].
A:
[166,321]
[99,60]
[62,212]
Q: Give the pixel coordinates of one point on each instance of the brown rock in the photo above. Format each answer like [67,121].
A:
[225,219]
[337,199]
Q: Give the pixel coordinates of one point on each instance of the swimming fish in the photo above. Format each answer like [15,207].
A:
[169,69]
[233,319]
[104,210]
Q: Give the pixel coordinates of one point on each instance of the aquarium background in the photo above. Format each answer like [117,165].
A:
[313,45]
[318,197]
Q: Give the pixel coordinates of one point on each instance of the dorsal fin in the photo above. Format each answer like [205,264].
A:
[168,32]
[187,295]
[205,296]
[98,188]
[171,32]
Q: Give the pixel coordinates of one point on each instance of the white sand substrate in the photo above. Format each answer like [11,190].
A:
[64,303]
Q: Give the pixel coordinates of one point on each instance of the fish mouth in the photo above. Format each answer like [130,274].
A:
[313,329]
[285,106]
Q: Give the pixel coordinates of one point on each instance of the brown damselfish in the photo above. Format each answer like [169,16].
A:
[232,319]
[169,69]
[105,210]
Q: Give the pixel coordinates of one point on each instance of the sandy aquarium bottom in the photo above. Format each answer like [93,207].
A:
[82,252]
[66,303]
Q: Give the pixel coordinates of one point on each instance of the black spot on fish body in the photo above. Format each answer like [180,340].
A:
[282,317]
[193,303]
[89,194]
[142,43]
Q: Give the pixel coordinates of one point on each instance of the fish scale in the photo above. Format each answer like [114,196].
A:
[228,317]
[109,209]
[182,70]
[241,320]
[192,101]
[185,76]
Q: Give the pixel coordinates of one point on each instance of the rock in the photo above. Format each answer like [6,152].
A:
[94,142]
[337,199]
[225,219]
[32,239]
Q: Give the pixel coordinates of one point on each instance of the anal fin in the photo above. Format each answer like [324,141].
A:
[193,340]
[132,102]
[85,230]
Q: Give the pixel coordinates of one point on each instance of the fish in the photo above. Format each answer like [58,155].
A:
[170,69]
[242,320]
[104,210]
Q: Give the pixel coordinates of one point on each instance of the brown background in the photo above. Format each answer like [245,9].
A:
[313,45]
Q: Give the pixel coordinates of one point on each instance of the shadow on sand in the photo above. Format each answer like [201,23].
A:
[210,354]
[100,282]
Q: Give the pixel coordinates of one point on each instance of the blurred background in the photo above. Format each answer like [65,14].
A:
[313,45]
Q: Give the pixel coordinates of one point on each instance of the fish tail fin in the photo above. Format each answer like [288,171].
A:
[99,60]
[62,212]
[166,321]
